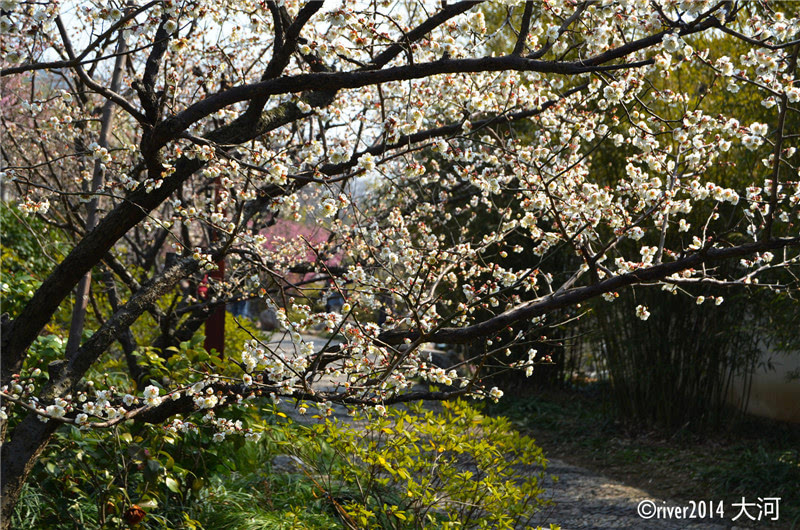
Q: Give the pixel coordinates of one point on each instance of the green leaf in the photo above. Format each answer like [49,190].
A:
[173,485]
[170,461]
[149,503]
[198,484]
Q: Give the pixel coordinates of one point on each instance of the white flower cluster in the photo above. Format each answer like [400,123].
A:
[30,206]
[151,396]
[178,426]
[205,259]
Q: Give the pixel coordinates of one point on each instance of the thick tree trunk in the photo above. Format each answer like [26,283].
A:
[18,456]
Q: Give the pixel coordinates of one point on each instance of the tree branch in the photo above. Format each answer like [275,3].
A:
[91,83]
[576,295]
[334,81]
[524,28]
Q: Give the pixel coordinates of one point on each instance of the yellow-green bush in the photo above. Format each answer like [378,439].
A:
[415,468]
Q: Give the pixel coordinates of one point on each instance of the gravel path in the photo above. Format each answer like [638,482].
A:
[585,500]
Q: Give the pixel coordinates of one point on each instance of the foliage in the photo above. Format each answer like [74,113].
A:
[660,373]
[674,369]
[180,363]
[28,250]
[416,468]
[771,472]
[89,479]
[413,468]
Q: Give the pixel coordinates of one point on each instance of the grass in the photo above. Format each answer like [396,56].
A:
[751,458]
[252,496]
[284,502]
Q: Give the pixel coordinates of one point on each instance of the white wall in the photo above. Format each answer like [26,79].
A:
[773,395]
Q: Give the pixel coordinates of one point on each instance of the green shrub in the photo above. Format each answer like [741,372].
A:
[29,248]
[414,468]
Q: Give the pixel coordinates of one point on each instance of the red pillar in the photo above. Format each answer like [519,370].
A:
[215,324]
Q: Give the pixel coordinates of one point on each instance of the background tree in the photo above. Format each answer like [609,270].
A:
[160,138]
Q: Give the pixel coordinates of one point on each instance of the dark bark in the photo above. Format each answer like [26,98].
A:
[88,252]
[146,87]
[433,22]
[126,339]
[184,332]
[22,447]
[524,28]
[19,334]
[335,81]
[29,440]
[285,45]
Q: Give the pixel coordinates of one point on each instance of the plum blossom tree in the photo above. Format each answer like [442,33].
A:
[161,137]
